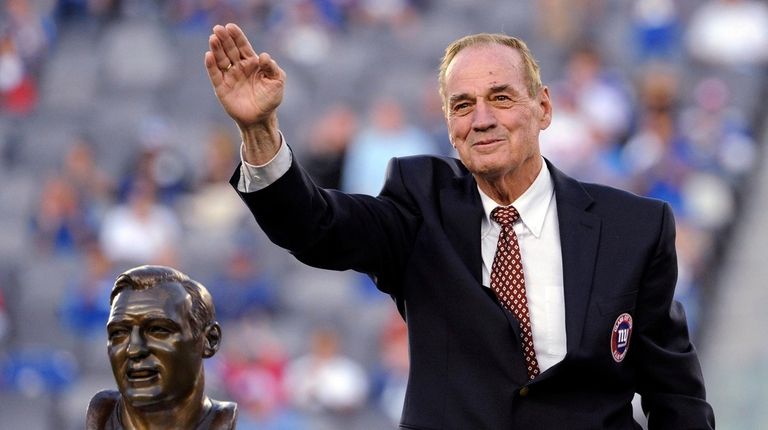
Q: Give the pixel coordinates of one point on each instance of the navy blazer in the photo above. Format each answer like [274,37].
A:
[420,242]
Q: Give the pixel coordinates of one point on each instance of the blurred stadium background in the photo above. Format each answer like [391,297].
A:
[114,152]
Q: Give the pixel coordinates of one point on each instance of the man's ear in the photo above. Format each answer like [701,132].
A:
[211,339]
[546,108]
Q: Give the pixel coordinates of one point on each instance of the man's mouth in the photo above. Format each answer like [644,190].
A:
[486,142]
[142,374]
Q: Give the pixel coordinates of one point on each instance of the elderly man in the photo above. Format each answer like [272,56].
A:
[532,300]
[161,327]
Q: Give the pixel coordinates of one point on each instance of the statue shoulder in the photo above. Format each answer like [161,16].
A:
[100,409]
[223,415]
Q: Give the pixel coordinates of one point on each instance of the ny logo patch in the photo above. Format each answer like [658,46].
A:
[620,336]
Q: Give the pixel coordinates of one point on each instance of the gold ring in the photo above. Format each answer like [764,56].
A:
[228,67]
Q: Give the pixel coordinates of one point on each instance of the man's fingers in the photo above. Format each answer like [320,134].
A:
[214,72]
[242,43]
[268,66]
[228,44]
[219,56]
[231,58]
[230,47]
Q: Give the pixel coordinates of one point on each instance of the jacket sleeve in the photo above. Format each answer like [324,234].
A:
[334,230]
[669,376]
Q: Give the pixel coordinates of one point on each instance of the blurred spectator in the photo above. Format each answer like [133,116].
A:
[210,208]
[653,157]
[568,141]
[61,223]
[560,22]
[221,154]
[252,371]
[85,306]
[729,32]
[94,186]
[301,32]
[18,89]
[657,28]
[141,231]
[327,144]
[388,135]
[32,31]
[431,118]
[600,94]
[594,115]
[243,288]
[719,134]
[391,378]
[658,88]
[393,15]
[324,380]
[709,202]
[656,149]
[72,203]
[695,250]
[157,161]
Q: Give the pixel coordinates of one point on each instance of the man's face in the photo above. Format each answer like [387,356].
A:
[493,122]
[155,359]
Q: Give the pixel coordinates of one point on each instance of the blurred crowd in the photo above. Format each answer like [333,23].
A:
[114,153]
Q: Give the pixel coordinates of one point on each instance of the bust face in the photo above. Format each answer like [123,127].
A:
[155,358]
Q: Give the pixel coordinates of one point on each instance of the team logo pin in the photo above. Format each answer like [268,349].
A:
[622,330]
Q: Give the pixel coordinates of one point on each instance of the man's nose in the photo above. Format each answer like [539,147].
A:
[483,116]
[137,345]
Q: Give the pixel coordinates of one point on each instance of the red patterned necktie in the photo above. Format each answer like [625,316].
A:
[508,282]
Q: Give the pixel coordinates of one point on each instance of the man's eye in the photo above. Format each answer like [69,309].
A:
[502,98]
[117,333]
[460,107]
[157,330]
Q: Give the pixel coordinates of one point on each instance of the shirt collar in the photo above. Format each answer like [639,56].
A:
[531,205]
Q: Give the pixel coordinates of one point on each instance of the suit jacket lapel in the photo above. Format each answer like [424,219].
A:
[579,238]
[462,212]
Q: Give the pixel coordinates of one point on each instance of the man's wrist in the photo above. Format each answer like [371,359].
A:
[256,177]
[261,142]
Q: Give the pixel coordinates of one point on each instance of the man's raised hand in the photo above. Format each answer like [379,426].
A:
[248,86]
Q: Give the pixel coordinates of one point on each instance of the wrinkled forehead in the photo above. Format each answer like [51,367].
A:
[168,300]
[487,63]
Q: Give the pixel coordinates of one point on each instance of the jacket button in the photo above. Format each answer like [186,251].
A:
[524,391]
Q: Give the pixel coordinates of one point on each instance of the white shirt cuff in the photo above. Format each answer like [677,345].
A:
[255,178]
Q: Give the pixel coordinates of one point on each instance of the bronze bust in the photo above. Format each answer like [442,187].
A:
[161,326]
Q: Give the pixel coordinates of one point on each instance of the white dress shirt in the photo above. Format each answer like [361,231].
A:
[537,232]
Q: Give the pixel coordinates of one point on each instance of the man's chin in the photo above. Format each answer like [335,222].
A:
[147,398]
[488,171]
[485,164]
